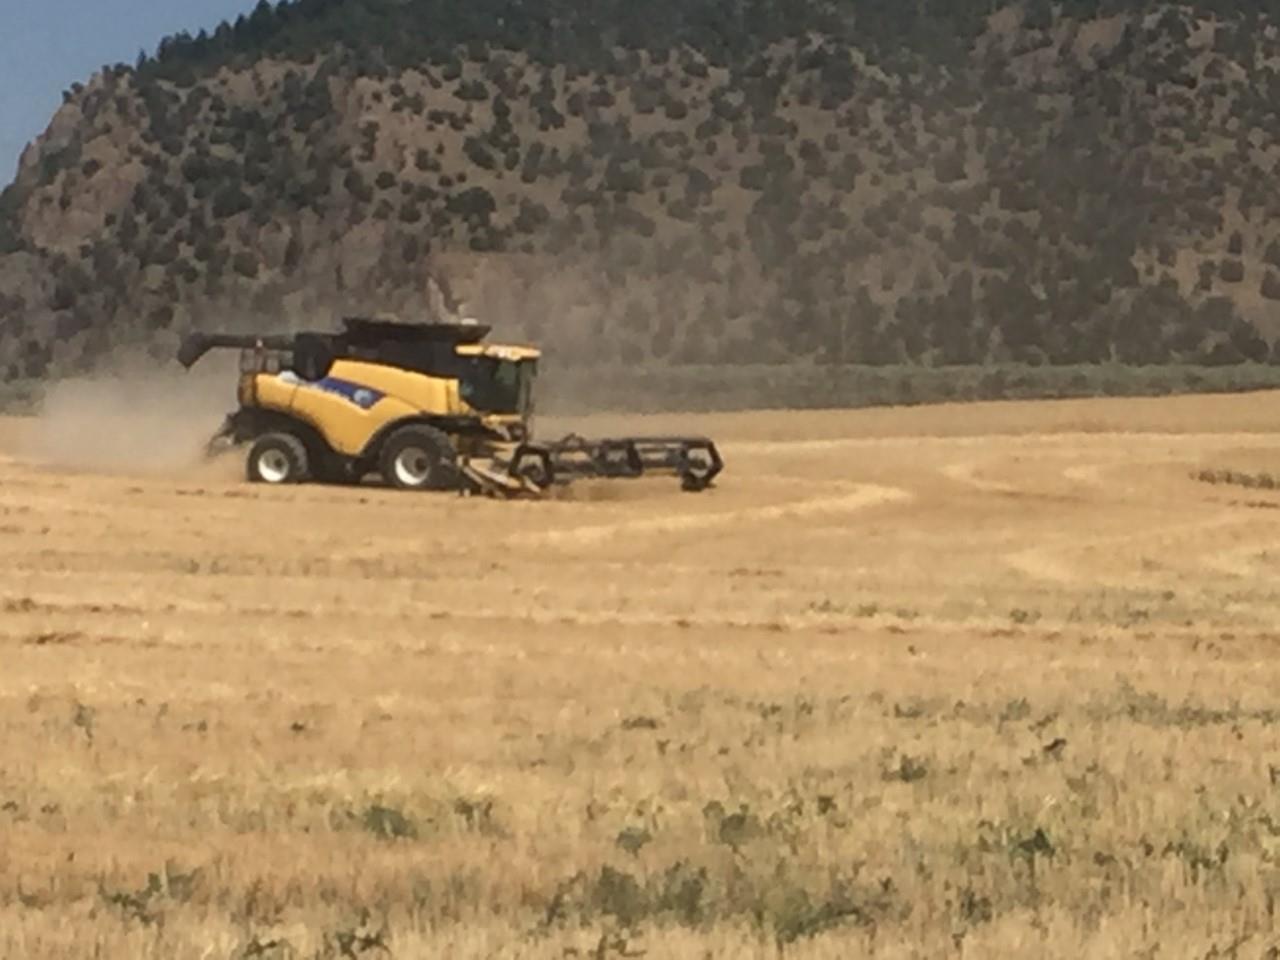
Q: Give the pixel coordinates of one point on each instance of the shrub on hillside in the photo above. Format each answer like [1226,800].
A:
[472,91]
[245,264]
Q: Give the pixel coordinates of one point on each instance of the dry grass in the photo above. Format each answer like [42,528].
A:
[993,681]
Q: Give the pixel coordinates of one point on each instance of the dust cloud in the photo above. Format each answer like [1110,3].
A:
[133,416]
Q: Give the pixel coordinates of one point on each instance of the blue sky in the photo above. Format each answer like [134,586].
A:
[47,45]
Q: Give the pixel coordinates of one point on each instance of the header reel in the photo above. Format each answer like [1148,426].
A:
[534,468]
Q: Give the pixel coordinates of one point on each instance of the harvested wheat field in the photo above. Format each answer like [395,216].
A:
[985,681]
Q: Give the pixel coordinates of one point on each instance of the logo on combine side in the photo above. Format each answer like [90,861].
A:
[363,397]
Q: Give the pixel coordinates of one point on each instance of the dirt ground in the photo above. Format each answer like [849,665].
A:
[990,680]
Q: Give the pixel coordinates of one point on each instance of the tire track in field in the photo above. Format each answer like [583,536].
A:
[1089,475]
[1056,563]
[860,497]
[1074,440]
[1238,563]
[966,473]
[1074,560]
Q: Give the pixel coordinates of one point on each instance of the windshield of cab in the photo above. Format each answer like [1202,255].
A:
[493,385]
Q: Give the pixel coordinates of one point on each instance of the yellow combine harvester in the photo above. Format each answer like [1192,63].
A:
[421,406]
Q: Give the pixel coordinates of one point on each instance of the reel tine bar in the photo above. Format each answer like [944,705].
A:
[695,460]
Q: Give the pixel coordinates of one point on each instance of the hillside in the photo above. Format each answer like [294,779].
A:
[713,181]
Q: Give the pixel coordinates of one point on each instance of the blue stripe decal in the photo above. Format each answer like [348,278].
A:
[363,397]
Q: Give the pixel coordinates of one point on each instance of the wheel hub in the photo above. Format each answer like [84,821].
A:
[413,466]
[273,466]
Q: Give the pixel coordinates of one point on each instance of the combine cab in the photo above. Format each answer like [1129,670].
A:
[421,407]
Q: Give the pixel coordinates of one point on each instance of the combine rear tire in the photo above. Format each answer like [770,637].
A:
[277,458]
[419,457]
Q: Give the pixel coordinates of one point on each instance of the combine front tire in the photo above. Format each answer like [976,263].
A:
[277,458]
[419,457]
